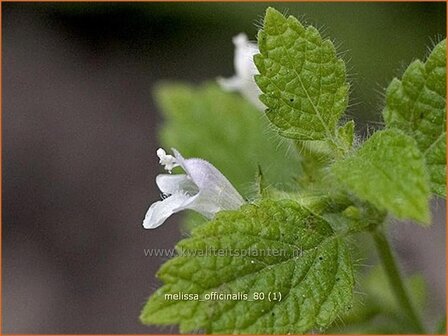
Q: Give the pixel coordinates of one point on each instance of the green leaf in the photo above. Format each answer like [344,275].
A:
[190,220]
[346,214]
[227,131]
[389,171]
[417,105]
[311,270]
[302,80]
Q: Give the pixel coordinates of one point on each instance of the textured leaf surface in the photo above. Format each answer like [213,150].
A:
[389,171]
[302,80]
[315,284]
[417,105]
[227,131]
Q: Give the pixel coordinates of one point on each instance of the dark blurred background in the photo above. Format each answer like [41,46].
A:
[79,141]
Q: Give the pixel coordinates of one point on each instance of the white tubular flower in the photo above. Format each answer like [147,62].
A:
[243,81]
[202,188]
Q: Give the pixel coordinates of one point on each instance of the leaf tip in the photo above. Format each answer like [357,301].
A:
[272,12]
[273,17]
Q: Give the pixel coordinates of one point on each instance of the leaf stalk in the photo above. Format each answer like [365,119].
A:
[395,279]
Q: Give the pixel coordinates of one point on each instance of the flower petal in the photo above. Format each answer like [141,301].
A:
[243,61]
[172,184]
[214,187]
[206,206]
[245,70]
[159,211]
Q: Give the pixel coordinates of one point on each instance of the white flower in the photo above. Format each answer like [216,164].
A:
[202,188]
[243,81]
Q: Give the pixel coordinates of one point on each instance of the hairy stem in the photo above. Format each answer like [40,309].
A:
[396,281]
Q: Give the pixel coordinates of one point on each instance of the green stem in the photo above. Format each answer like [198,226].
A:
[396,281]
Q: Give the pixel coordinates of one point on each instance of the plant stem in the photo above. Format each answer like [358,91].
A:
[396,281]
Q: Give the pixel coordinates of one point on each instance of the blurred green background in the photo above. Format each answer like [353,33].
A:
[376,40]
[80,133]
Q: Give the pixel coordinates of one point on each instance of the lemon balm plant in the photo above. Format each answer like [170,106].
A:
[295,179]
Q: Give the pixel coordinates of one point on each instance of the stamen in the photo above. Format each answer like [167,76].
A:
[166,160]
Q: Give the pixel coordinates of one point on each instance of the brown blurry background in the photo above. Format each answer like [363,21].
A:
[79,141]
